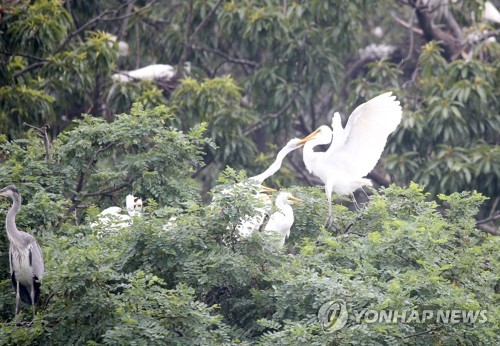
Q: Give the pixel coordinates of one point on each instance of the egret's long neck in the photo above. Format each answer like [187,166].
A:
[309,156]
[10,222]
[275,165]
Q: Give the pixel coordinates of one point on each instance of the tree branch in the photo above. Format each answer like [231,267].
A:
[100,17]
[186,49]
[227,57]
[265,118]
[42,132]
[205,21]
[23,55]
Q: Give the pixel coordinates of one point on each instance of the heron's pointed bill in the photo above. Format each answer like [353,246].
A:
[294,200]
[309,137]
[267,189]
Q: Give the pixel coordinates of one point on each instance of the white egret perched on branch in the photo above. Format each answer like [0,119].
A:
[25,255]
[149,73]
[281,221]
[355,149]
[249,224]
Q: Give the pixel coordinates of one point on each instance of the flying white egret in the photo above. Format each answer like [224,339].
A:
[355,149]
[282,219]
[25,255]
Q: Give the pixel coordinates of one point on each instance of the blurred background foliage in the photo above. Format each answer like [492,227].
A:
[75,141]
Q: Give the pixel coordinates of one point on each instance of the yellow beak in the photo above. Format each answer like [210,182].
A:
[309,137]
[267,189]
[294,200]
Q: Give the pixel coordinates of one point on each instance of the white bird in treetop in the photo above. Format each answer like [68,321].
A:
[282,219]
[148,73]
[247,224]
[355,149]
[123,49]
[113,217]
[25,255]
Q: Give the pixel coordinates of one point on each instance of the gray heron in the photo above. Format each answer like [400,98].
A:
[25,255]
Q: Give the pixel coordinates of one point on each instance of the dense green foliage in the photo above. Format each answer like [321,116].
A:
[193,281]
[261,73]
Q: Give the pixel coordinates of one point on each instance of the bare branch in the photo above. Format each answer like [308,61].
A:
[302,173]
[186,50]
[109,191]
[205,21]
[407,26]
[488,229]
[100,17]
[227,57]
[23,55]
[265,118]
[42,132]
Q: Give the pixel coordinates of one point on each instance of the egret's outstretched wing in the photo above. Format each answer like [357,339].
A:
[366,134]
[339,134]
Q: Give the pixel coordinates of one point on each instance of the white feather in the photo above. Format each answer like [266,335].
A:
[148,73]
[357,151]
[491,13]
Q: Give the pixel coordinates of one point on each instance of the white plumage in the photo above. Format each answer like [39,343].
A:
[491,13]
[148,73]
[292,145]
[281,221]
[247,225]
[355,149]
[114,218]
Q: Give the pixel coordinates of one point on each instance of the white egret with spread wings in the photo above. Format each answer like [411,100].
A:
[354,150]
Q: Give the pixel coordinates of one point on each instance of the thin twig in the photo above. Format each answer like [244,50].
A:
[301,172]
[42,132]
[227,57]
[205,21]
[23,55]
[407,26]
[265,118]
[412,39]
[100,17]
[109,191]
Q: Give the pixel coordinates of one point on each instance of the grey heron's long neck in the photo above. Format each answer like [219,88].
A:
[10,221]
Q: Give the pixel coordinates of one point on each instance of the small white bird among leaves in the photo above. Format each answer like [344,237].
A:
[281,221]
[148,73]
[115,218]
